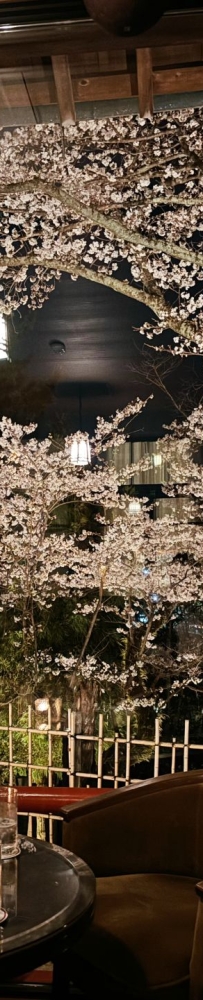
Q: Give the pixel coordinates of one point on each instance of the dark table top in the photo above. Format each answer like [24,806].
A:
[48,892]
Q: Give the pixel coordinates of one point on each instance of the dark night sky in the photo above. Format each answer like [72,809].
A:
[96,326]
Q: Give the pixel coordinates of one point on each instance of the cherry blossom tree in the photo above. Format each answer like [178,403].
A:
[36,479]
[102,195]
[133,567]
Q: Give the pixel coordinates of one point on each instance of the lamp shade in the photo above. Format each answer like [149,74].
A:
[157,459]
[3,339]
[126,17]
[134,506]
[80,450]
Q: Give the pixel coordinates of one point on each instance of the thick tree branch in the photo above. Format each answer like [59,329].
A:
[112,225]
[154,302]
[92,623]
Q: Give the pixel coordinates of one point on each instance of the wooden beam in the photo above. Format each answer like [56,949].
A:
[37,86]
[170,56]
[178,81]
[173,80]
[64,90]
[103,88]
[85,36]
[145,82]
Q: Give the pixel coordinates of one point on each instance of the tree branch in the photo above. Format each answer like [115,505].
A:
[92,623]
[114,226]
[154,302]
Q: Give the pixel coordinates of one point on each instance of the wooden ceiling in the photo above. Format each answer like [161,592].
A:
[50,73]
[54,71]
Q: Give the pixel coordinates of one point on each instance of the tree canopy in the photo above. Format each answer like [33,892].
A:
[118,202]
[126,566]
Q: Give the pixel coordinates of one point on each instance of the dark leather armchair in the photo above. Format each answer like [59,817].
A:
[145,846]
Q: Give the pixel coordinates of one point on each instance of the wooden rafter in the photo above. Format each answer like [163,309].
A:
[145,82]
[64,90]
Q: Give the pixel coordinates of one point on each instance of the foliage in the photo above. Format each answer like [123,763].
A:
[20,750]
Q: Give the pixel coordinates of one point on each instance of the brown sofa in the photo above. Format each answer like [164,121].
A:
[145,846]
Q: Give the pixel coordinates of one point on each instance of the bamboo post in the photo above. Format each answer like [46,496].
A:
[72,751]
[116,761]
[173,755]
[10,741]
[100,751]
[156,748]
[127,765]
[49,776]
[29,762]
[186,745]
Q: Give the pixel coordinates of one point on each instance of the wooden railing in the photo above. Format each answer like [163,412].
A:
[17,767]
[45,784]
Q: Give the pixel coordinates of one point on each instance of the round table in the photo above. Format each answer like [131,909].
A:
[49,895]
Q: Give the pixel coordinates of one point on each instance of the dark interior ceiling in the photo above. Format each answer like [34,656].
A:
[35,11]
[64,10]
[101,358]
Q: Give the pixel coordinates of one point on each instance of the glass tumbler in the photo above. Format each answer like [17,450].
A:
[9,887]
[8,821]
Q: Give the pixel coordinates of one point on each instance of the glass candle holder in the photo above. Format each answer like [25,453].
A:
[9,887]
[3,910]
[8,821]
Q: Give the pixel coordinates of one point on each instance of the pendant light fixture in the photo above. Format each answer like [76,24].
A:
[80,454]
[126,17]
[157,459]
[80,450]
[4,356]
[134,506]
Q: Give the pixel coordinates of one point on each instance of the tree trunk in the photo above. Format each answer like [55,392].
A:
[85,715]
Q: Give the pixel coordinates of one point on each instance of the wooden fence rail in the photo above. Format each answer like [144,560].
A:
[49,769]
[51,766]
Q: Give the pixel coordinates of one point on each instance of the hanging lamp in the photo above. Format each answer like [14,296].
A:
[80,450]
[80,453]
[134,506]
[126,17]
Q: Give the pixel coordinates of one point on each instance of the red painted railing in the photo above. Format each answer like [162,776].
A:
[44,800]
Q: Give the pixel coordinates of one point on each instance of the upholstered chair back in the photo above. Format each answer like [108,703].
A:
[156,826]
